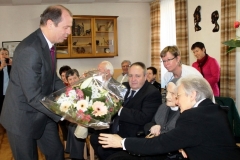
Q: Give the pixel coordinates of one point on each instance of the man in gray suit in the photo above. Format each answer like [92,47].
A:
[33,76]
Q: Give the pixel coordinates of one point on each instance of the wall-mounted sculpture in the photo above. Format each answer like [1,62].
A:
[214,18]
[197,18]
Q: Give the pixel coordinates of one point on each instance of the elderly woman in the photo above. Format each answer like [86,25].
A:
[207,66]
[171,59]
[202,129]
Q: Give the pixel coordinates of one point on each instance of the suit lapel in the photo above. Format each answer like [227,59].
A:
[137,96]
[47,56]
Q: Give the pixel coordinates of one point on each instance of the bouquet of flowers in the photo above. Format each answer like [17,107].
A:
[87,103]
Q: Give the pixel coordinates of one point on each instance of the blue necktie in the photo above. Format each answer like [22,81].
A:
[130,97]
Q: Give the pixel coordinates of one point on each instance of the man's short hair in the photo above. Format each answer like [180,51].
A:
[126,61]
[140,64]
[108,66]
[154,70]
[64,68]
[53,13]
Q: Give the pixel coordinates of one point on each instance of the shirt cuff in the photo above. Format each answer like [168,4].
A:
[122,142]
[62,119]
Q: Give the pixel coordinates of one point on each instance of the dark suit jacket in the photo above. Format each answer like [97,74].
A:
[139,110]
[203,132]
[31,79]
[157,85]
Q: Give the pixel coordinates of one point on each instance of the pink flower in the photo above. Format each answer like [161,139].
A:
[99,108]
[80,94]
[236,24]
[83,117]
[68,90]
[86,118]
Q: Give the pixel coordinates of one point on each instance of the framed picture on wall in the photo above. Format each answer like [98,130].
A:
[10,46]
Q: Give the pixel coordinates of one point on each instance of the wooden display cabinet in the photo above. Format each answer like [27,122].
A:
[92,37]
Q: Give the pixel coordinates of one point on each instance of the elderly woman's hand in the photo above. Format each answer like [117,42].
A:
[184,154]
[155,130]
[110,140]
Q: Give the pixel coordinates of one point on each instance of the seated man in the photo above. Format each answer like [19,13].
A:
[151,77]
[140,104]
[124,76]
[202,129]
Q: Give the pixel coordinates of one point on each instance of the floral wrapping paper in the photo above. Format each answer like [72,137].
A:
[87,103]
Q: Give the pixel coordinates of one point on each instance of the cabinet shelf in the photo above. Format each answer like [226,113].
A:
[92,37]
[81,36]
[81,46]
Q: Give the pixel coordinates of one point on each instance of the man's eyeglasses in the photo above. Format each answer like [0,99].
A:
[168,60]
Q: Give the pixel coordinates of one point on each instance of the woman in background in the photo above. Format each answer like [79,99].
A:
[171,59]
[207,66]
[5,68]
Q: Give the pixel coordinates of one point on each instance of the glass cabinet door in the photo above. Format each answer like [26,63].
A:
[82,37]
[92,36]
[105,36]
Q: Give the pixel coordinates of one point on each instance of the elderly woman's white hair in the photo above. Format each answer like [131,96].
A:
[108,65]
[196,83]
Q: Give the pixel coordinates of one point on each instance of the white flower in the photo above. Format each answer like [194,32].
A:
[99,108]
[65,106]
[95,92]
[86,83]
[82,105]
[72,95]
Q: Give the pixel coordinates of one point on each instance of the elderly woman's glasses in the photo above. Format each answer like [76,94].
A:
[168,60]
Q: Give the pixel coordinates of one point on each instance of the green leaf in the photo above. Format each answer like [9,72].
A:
[232,43]
[87,92]
[230,49]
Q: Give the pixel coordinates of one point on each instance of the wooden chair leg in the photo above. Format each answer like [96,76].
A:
[91,151]
[90,148]
[85,151]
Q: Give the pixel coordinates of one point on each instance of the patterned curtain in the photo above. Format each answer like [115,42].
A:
[227,78]
[155,35]
[182,29]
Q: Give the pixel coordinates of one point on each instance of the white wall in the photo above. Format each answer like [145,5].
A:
[133,29]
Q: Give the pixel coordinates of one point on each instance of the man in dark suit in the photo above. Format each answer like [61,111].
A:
[138,108]
[33,76]
[202,129]
[5,68]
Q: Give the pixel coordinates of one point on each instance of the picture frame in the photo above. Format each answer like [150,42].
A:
[10,46]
